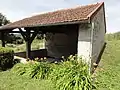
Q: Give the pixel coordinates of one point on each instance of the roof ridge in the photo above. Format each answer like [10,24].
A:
[100,4]
[75,7]
[64,9]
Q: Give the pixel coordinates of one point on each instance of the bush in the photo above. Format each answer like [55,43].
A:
[6,58]
[72,75]
[66,75]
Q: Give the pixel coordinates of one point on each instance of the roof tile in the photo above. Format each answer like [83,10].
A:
[60,16]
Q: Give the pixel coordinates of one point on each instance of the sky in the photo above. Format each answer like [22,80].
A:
[18,9]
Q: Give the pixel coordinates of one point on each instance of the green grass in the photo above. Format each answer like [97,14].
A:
[10,81]
[108,72]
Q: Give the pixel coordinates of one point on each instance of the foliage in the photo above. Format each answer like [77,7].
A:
[13,39]
[6,58]
[113,36]
[40,36]
[71,75]
[33,69]
[67,75]
[19,41]
[3,20]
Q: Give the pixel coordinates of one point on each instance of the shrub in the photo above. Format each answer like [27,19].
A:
[66,75]
[71,75]
[6,58]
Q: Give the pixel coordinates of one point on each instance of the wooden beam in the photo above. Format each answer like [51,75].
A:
[33,36]
[23,34]
[3,39]
[19,32]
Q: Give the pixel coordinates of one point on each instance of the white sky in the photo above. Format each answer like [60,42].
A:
[18,9]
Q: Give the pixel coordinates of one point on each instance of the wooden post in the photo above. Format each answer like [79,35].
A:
[28,39]
[28,44]
[2,39]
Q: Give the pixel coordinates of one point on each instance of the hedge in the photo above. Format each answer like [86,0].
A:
[6,58]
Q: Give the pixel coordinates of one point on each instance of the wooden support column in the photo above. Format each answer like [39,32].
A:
[28,44]
[3,39]
[28,39]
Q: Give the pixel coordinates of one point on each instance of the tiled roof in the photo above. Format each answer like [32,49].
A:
[77,14]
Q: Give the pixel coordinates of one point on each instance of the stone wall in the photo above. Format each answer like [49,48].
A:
[91,37]
[98,26]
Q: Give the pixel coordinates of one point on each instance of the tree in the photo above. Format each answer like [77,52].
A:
[3,20]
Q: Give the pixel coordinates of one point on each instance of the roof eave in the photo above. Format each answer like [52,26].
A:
[85,20]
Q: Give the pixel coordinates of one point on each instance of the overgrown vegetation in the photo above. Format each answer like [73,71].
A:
[67,75]
[108,72]
[71,75]
[55,75]
[37,70]
[113,36]
[6,58]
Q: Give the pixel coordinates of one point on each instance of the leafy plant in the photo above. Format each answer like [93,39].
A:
[66,75]
[71,75]
[33,69]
